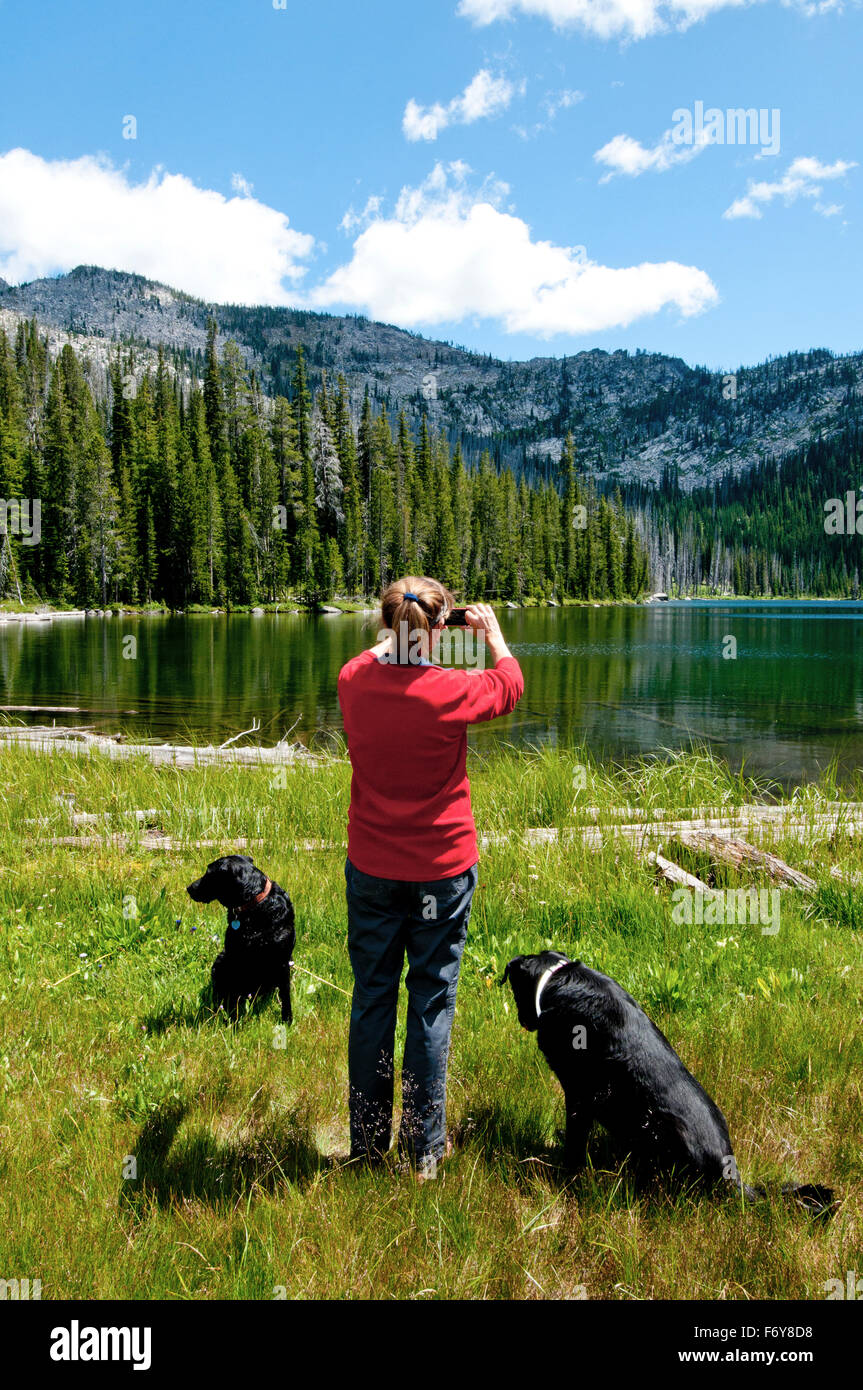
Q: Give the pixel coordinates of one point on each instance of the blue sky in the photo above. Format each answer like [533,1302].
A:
[284,155]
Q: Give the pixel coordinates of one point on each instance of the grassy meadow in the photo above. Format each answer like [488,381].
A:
[111,1053]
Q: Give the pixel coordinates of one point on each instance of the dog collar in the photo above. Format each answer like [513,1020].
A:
[253,902]
[544,979]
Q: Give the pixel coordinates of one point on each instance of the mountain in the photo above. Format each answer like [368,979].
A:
[636,418]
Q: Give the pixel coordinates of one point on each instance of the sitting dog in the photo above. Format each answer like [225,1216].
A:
[616,1067]
[260,937]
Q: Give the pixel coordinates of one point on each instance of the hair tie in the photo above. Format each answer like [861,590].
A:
[411,596]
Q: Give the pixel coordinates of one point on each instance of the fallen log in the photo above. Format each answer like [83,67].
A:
[741,855]
[672,873]
[165,842]
[781,811]
[46,739]
[590,836]
[640,836]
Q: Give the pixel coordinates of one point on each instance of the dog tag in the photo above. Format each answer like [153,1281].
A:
[236,924]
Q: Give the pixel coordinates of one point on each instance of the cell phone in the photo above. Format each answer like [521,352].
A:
[456,618]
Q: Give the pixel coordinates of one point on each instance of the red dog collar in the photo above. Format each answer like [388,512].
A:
[253,902]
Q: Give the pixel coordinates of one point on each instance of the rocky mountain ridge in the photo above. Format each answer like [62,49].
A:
[637,416]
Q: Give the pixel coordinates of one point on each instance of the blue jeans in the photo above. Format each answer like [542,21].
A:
[386,918]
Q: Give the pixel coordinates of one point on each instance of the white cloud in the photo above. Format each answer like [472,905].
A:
[242,186]
[802,179]
[635,19]
[485,95]
[449,250]
[819,7]
[552,102]
[447,254]
[353,220]
[561,101]
[624,155]
[56,214]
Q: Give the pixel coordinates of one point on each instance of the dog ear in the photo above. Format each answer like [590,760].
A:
[505,976]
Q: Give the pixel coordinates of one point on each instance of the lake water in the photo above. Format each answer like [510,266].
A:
[623,680]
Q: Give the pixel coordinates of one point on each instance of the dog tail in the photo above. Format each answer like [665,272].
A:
[813,1198]
[816,1201]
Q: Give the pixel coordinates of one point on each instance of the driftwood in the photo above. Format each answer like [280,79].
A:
[666,869]
[150,841]
[741,855]
[725,814]
[672,873]
[256,724]
[94,817]
[640,836]
[150,817]
[8,617]
[46,739]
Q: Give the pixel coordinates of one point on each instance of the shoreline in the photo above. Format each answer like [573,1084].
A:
[45,613]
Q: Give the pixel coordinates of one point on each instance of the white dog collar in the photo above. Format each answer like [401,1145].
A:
[544,979]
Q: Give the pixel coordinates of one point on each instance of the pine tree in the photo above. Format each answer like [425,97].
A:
[286,460]
[156,490]
[100,543]
[208,512]
[302,401]
[144,483]
[443,553]
[213,403]
[163,485]
[59,521]
[326,468]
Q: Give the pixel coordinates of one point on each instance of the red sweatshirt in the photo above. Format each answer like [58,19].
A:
[410,816]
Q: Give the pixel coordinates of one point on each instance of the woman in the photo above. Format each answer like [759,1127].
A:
[412,856]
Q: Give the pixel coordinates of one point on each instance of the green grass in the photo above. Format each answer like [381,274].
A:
[110,1051]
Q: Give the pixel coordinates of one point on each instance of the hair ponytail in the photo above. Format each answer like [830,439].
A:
[413,605]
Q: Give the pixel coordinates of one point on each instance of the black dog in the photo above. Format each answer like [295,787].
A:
[260,937]
[616,1067]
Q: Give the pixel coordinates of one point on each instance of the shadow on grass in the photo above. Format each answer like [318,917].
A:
[513,1142]
[200,1013]
[517,1147]
[199,1166]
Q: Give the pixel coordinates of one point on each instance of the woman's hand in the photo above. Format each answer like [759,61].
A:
[385,644]
[483,617]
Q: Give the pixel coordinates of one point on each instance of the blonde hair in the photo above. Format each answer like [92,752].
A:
[419,614]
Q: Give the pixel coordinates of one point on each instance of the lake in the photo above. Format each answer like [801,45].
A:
[623,680]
